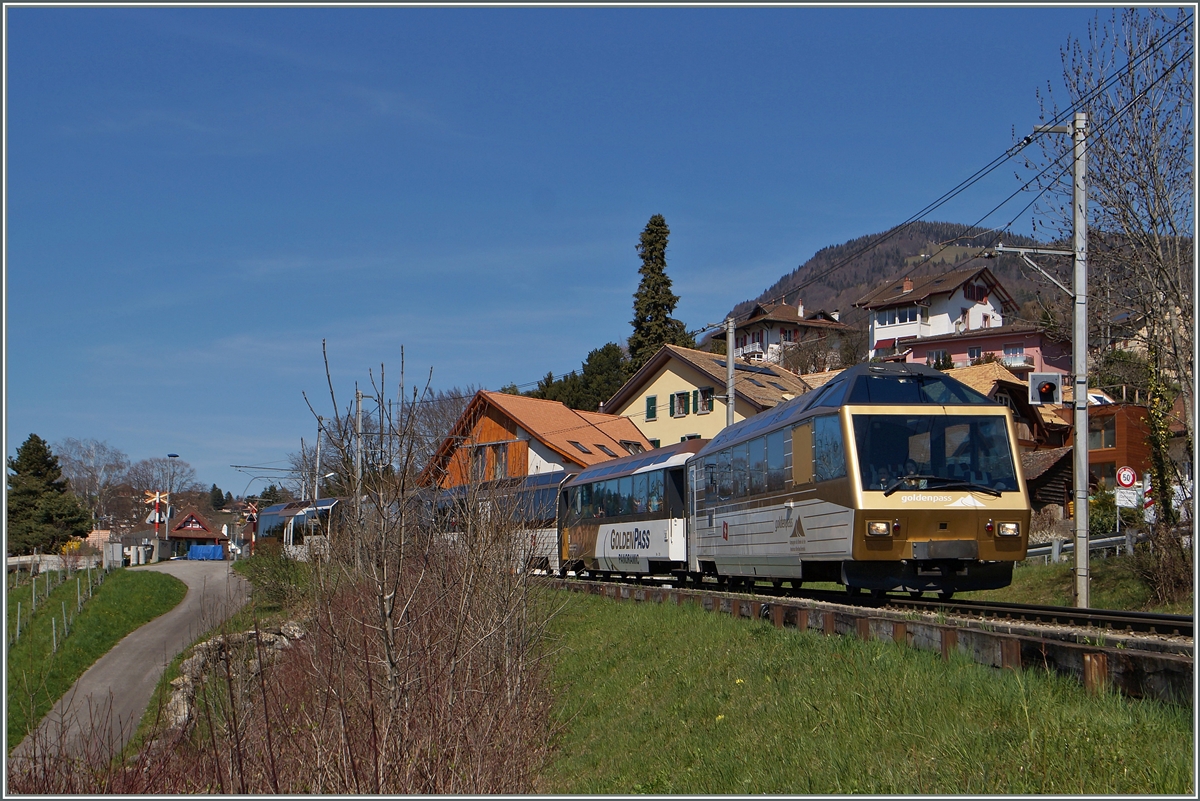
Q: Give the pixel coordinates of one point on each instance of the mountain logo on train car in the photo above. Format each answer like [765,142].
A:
[970,501]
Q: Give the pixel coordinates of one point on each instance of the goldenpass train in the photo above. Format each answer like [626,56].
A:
[890,477]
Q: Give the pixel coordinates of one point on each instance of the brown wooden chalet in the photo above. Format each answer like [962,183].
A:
[193,529]
[512,436]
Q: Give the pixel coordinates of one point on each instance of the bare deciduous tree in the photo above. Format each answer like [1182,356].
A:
[94,471]
[1134,78]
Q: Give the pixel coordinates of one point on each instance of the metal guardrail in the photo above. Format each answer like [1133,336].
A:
[1048,552]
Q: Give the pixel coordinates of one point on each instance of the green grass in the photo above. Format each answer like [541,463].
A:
[1113,586]
[675,700]
[37,677]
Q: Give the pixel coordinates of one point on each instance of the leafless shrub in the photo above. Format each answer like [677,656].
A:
[1166,564]
[423,669]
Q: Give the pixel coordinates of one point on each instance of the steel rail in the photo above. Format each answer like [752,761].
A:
[1112,620]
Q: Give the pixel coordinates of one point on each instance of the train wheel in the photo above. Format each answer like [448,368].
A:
[946,595]
[851,590]
[878,595]
[915,593]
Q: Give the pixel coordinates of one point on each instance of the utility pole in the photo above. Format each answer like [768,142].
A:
[357,474]
[1079,350]
[1079,363]
[729,396]
[317,469]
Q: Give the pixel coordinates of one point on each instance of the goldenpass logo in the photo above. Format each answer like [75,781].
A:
[922,497]
[630,540]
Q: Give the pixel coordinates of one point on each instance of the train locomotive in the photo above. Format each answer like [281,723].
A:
[890,477]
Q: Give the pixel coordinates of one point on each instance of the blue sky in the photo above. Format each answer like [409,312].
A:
[197,197]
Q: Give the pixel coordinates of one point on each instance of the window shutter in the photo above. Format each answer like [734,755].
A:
[683,396]
[696,400]
[672,405]
[651,407]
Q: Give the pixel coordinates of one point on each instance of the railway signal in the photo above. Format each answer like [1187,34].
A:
[1045,389]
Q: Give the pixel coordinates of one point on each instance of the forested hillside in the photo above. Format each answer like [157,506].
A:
[837,276]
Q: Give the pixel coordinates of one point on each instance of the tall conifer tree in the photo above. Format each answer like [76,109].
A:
[42,513]
[653,303]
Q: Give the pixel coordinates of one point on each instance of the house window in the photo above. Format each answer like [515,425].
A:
[704,400]
[632,447]
[1102,432]
[651,407]
[975,292]
[679,404]
[974,353]
[1014,350]
[936,357]
[499,465]
[905,314]
[605,450]
[579,445]
[756,336]
[740,342]
[787,335]
[654,443]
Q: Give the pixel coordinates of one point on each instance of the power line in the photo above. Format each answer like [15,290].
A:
[977,176]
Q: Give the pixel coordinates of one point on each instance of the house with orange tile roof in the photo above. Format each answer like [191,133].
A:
[679,393]
[512,436]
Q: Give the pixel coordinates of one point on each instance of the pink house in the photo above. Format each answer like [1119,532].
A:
[1022,348]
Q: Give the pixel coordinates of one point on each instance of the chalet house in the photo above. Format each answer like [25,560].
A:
[512,436]
[956,317]
[679,394]
[783,334]
[193,529]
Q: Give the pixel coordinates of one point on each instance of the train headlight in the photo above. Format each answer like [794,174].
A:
[879,528]
[1010,529]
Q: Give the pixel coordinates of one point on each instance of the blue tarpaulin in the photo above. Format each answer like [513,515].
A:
[211,552]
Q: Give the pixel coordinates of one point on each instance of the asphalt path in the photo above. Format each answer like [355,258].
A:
[109,699]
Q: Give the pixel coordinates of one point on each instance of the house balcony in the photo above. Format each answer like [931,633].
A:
[753,352]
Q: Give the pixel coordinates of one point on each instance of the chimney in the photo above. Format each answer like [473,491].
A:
[908,284]
[799,308]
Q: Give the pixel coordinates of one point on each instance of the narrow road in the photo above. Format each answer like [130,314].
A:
[102,711]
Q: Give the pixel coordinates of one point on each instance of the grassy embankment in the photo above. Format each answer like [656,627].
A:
[38,676]
[663,699]
[1113,586]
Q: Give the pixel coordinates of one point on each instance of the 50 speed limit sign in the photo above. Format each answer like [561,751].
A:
[1126,477]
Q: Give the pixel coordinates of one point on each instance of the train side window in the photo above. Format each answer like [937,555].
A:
[776,461]
[639,493]
[802,454]
[741,454]
[710,476]
[758,465]
[625,494]
[724,476]
[654,490]
[829,448]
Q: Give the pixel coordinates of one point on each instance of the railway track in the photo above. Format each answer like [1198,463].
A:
[1106,620]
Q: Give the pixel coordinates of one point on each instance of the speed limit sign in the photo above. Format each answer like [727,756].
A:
[1126,477]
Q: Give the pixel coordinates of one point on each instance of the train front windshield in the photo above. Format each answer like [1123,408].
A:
[927,451]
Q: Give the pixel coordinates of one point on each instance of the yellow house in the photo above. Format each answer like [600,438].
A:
[679,394]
